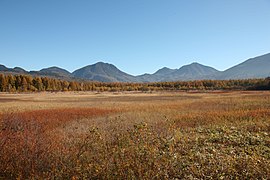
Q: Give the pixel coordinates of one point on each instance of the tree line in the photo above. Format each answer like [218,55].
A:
[26,83]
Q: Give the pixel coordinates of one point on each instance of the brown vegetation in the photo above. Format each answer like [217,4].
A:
[136,136]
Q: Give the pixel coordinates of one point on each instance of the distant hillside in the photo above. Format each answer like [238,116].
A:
[19,70]
[258,67]
[164,71]
[188,72]
[53,72]
[103,72]
[16,70]
[3,68]
[157,76]
[192,71]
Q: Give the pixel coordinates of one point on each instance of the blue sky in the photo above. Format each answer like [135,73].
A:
[138,36]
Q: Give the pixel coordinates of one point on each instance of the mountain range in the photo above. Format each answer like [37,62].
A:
[258,67]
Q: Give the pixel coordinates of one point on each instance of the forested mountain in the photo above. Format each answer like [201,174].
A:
[16,70]
[258,67]
[103,72]
[3,68]
[164,71]
[194,71]
[157,76]
[53,72]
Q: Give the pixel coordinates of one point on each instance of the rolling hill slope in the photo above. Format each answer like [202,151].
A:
[258,67]
[103,72]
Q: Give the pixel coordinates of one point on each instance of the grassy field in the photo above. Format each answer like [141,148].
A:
[169,135]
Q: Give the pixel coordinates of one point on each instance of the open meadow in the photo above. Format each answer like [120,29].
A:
[128,135]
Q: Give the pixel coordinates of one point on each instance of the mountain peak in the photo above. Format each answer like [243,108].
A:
[257,67]
[164,71]
[53,68]
[194,71]
[53,72]
[102,63]
[19,70]
[105,72]
[195,63]
[3,68]
[165,68]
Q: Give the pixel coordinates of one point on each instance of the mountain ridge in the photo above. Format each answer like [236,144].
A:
[257,67]
[105,72]
[52,71]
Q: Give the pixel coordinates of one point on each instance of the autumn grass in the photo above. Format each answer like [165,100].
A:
[213,135]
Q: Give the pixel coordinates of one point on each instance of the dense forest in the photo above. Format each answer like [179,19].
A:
[25,83]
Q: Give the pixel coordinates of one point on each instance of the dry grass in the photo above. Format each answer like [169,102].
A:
[135,135]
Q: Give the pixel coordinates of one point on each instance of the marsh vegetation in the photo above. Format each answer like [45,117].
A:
[168,135]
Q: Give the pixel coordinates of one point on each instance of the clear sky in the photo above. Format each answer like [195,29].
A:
[138,36]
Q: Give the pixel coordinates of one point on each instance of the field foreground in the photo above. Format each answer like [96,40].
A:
[176,135]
